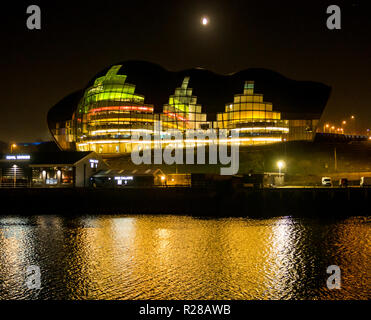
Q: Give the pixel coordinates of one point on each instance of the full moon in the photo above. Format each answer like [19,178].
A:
[204,21]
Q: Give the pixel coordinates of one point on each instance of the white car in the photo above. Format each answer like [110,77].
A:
[326,181]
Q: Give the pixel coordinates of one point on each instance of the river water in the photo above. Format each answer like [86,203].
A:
[180,257]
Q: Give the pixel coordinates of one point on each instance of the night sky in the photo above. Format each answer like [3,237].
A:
[78,39]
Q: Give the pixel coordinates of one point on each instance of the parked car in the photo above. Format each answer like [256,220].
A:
[326,181]
[343,182]
[365,182]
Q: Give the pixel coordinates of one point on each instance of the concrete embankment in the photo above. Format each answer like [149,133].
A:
[331,202]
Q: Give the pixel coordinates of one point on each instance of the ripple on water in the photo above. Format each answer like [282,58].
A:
[175,257]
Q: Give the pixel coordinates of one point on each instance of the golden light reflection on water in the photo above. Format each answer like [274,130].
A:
[171,257]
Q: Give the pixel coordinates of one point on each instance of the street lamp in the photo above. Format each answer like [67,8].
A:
[343,124]
[353,127]
[163,180]
[12,146]
[280,165]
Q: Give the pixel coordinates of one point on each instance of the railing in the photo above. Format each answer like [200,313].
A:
[15,185]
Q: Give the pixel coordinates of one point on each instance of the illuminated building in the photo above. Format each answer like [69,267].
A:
[49,169]
[253,118]
[182,112]
[110,110]
[131,97]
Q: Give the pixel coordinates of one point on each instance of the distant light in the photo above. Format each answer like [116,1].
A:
[280,164]
[163,178]
[205,21]
[23,157]
[18,157]
[124,178]
[352,117]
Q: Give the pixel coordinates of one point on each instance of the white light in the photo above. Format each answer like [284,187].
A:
[180,141]
[263,128]
[120,130]
[23,157]
[18,157]
[124,178]
[205,21]
[280,164]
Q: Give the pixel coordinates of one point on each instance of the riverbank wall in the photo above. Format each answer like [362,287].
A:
[321,202]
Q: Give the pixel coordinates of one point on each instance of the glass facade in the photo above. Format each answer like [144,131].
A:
[111,111]
[52,176]
[182,112]
[254,119]
[107,115]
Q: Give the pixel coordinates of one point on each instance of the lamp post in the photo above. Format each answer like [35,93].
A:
[163,180]
[12,146]
[280,165]
[353,127]
[343,125]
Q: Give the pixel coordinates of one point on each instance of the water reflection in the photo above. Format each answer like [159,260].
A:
[171,257]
